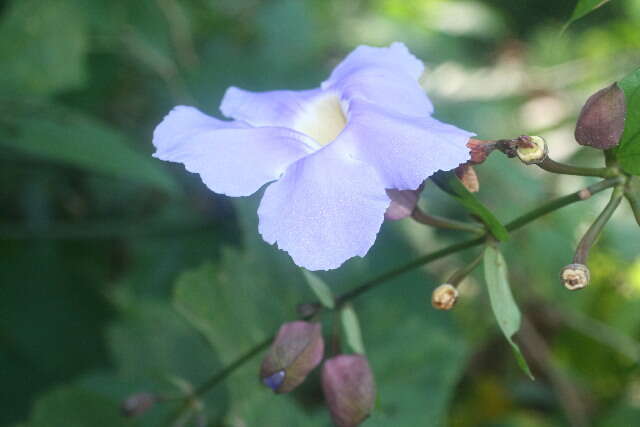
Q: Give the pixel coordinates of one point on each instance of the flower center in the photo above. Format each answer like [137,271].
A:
[322,119]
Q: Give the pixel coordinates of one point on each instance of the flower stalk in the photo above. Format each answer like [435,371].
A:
[552,166]
[592,234]
[418,262]
[514,147]
[576,275]
[463,272]
[440,222]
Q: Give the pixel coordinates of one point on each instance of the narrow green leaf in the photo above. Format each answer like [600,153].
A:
[502,301]
[449,183]
[628,152]
[583,8]
[320,288]
[77,140]
[351,327]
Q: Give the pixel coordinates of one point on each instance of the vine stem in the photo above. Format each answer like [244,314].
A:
[582,251]
[436,221]
[561,168]
[634,202]
[517,223]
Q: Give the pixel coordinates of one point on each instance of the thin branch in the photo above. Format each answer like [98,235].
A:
[563,201]
[634,202]
[564,169]
[418,262]
[582,251]
[228,370]
[440,222]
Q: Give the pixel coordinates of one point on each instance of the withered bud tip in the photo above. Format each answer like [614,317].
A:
[575,276]
[444,297]
[480,149]
[531,150]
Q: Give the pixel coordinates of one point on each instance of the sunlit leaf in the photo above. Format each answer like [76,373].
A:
[628,151]
[502,302]
[449,182]
[351,327]
[583,8]
[320,288]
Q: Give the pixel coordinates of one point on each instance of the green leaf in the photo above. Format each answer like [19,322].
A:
[236,304]
[43,46]
[320,288]
[449,183]
[155,349]
[502,302]
[351,327]
[583,8]
[85,143]
[628,152]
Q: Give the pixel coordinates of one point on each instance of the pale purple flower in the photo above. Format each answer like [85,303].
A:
[333,151]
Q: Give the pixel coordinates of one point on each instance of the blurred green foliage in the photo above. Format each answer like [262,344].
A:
[121,274]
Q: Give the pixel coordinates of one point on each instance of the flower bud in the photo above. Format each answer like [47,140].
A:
[531,150]
[601,121]
[347,383]
[444,297]
[403,202]
[297,349]
[575,276]
[137,404]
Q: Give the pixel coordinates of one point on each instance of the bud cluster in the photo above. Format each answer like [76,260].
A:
[347,380]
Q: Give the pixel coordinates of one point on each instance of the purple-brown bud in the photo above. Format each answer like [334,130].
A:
[601,120]
[348,388]
[297,349]
[403,202]
[137,404]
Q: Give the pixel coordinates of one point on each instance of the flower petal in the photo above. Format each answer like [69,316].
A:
[274,108]
[385,76]
[325,209]
[404,150]
[231,157]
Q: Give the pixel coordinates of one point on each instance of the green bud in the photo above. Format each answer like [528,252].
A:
[297,349]
[601,121]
